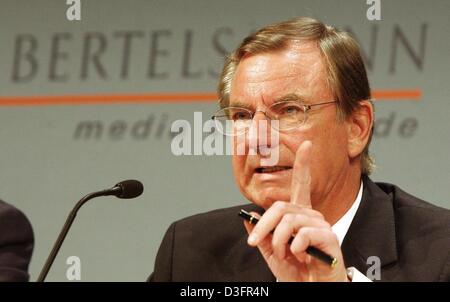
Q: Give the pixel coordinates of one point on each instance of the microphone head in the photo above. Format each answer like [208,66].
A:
[128,189]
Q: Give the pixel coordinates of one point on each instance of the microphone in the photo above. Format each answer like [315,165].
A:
[126,189]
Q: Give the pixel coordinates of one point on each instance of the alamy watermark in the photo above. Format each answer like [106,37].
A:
[244,139]
[73,12]
[374,11]
[374,270]
[73,272]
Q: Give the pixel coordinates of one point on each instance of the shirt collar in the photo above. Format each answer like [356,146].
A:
[341,227]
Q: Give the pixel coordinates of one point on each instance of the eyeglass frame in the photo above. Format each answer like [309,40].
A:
[306,109]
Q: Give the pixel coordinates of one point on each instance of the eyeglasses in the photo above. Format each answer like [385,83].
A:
[289,114]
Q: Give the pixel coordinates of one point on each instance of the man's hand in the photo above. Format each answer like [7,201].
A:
[308,227]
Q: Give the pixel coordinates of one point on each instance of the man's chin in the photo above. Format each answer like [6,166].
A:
[266,199]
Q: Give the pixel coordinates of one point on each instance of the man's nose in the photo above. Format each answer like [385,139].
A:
[260,134]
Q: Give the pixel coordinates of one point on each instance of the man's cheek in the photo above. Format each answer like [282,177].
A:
[294,139]
[238,145]
[238,162]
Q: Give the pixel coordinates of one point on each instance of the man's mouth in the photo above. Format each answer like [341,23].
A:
[271,169]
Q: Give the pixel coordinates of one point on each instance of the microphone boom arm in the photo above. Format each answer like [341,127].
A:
[125,190]
[64,231]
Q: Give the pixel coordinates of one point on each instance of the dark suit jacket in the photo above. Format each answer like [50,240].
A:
[411,238]
[16,244]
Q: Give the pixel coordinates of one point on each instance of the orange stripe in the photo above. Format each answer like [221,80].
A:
[107,99]
[397,94]
[186,97]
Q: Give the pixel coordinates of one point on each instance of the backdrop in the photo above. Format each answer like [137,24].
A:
[85,104]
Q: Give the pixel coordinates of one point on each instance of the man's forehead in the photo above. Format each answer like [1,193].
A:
[277,66]
[286,65]
[291,74]
[300,97]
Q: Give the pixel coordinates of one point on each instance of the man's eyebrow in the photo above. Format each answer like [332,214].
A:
[239,103]
[293,97]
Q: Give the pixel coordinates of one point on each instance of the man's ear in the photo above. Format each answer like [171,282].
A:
[359,128]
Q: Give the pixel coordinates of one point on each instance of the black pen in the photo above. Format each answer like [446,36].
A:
[315,252]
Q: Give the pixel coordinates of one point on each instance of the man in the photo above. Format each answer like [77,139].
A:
[311,80]
[16,244]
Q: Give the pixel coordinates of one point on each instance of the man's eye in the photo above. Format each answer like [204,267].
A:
[241,115]
[291,110]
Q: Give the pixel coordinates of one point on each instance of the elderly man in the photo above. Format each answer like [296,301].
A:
[311,80]
[16,244]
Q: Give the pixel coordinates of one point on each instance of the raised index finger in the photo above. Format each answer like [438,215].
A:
[301,176]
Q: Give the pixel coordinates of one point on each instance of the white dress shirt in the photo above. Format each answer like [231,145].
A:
[340,228]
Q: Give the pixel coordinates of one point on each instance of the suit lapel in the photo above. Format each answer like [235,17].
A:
[247,263]
[372,231]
